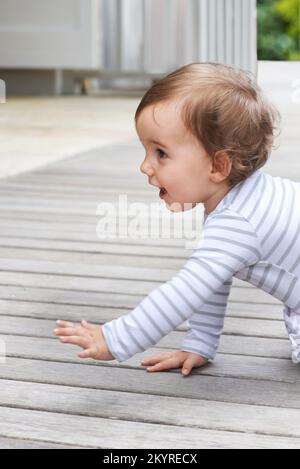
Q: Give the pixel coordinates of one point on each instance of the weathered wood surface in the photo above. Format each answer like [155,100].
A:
[52,265]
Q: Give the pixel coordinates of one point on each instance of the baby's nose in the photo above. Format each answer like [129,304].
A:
[146,169]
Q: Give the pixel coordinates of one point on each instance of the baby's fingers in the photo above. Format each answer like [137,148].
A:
[193,361]
[156,358]
[61,323]
[164,365]
[87,325]
[83,342]
[74,330]
[88,353]
[65,331]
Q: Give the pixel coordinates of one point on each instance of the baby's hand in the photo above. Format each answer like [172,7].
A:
[166,361]
[87,336]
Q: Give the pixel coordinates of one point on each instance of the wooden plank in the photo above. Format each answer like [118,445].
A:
[275,384]
[69,190]
[263,311]
[86,198]
[49,310]
[233,326]
[51,210]
[248,396]
[98,247]
[94,173]
[91,258]
[111,236]
[53,269]
[8,292]
[83,218]
[89,207]
[44,327]
[148,230]
[10,221]
[32,345]
[27,214]
[227,365]
[70,297]
[91,236]
[196,413]
[67,282]
[37,185]
[100,181]
[103,167]
[119,286]
[105,271]
[19,443]
[104,433]
[87,232]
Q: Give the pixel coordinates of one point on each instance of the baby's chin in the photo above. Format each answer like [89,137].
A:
[180,206]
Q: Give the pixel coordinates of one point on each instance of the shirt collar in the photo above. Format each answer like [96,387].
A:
[228,198]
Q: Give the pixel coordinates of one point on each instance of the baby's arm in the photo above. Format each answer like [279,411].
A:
[229,245]
[205,326]
[202,339]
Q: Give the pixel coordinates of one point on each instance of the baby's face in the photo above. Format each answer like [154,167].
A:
[174,159]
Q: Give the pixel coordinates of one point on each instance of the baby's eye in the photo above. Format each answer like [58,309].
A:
[162,154]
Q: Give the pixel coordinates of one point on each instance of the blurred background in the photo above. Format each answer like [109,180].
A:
[75,70]
[278,30]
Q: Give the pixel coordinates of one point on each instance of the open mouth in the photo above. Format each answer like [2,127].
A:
[162,192]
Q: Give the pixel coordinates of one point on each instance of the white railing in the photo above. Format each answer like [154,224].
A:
[154,36]
[113,38]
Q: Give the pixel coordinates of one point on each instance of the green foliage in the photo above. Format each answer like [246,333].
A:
[278,25]
[290,12]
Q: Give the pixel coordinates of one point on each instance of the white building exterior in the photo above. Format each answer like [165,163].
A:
[126,36]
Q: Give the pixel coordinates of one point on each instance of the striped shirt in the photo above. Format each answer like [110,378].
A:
[253,234]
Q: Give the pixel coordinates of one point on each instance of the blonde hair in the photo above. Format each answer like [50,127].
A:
[224,109]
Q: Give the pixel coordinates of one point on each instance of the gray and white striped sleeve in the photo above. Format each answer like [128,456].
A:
[228,245]
[206,325]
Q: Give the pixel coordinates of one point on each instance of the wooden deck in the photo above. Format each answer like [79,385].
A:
[53,266]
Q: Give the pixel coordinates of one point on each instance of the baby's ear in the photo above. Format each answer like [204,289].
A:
[221,166]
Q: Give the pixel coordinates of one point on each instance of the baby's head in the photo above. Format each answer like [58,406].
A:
[212,129]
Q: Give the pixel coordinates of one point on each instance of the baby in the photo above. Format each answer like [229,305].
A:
[207,131]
